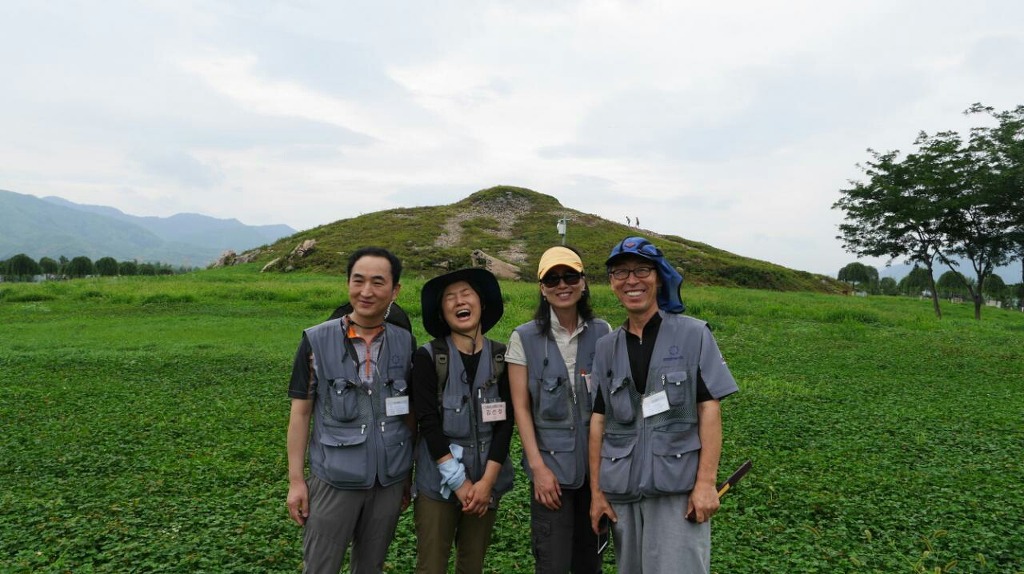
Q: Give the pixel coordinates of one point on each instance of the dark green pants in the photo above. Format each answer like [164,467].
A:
[438,524]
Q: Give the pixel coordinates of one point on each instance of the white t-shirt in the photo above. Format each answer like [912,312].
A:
[567,344]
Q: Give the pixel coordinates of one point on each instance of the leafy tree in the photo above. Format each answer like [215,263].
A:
[1019,250]
[916,282]
[872,284]
[147,269]
[21,267]
[981,213]
[128,268]
[895,213]
[995,287]
[888,286]
[49,266]
[948,200]
[80,266]
[106,266]
[952,284]
[857,273]
[1003,146]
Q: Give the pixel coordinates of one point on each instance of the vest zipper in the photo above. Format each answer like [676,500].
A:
[475,432]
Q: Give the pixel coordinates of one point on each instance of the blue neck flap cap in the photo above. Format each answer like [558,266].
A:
[669,300]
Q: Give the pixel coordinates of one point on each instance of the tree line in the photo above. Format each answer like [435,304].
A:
[950,285]
[953,198]
[21,267]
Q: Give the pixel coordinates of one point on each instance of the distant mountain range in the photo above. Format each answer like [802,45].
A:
[53,226]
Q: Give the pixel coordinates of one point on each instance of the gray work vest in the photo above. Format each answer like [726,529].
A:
[462,424]
[560,408]
[657,455]
[354,443]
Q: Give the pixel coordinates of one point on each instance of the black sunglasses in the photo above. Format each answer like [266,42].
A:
[570,278]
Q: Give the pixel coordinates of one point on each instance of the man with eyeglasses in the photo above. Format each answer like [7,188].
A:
[656,428]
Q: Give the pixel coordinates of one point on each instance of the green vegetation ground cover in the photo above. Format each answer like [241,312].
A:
[144,420]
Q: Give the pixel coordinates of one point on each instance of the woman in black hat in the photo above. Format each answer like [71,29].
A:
[464,412]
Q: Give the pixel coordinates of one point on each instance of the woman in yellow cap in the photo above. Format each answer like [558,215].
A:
[549,361]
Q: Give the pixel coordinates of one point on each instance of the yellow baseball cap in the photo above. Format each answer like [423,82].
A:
[558,256]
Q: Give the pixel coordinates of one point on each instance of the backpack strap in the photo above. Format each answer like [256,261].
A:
[439,349]
[497,360]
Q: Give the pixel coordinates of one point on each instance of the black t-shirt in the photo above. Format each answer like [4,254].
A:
[301,384]
[640,351]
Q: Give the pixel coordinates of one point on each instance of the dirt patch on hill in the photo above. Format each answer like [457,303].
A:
[506,211]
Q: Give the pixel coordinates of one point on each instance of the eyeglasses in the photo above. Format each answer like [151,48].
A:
[638,272]
[570,278]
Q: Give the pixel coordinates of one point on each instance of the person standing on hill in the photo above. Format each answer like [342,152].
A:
[465,415]
[549,361]
[656,431]
[350,379]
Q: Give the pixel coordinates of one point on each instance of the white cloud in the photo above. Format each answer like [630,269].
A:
[733,123]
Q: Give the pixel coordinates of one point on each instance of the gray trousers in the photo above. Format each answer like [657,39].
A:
[563,540]
[365,518]
[653,536]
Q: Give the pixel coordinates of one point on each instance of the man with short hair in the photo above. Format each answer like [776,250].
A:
[656,428]
[350,379]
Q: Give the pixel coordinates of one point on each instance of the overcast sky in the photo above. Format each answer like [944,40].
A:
[734,123]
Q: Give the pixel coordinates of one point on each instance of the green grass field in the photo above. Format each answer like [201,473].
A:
[144,422]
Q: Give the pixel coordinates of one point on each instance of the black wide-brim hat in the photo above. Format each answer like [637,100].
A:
[481,280]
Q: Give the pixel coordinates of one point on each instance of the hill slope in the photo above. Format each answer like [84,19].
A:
[513,226]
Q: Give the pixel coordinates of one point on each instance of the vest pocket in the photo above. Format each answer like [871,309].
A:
[455,416]
[397,450]
[344,400]
[616,462]
[675,459]
[553,401]
[399,387]
[346,454]
[681,390]
[620,401]
[558,449]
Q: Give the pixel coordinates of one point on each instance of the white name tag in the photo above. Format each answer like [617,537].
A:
[493,412]
[394,406]
[655,404]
